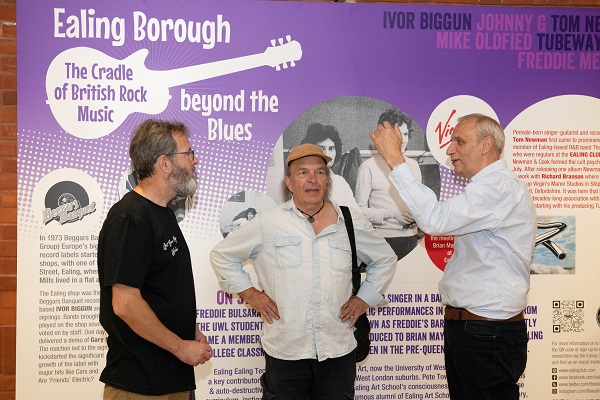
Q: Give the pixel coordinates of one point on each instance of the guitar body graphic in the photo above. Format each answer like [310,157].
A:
[90,93]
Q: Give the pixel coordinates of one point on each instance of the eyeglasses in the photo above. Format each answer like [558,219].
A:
[189,153]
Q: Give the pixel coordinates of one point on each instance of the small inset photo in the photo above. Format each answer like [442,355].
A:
[241,208]
[554,246]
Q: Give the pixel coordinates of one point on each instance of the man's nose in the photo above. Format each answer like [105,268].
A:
[450,150]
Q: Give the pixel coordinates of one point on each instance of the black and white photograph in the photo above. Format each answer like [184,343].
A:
[359,175]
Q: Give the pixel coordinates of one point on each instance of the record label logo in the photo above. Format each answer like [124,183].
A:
[66,202]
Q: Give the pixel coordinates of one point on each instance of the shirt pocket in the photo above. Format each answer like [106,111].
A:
[340,255]
[288,252]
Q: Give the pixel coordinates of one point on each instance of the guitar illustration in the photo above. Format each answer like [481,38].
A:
[90,93]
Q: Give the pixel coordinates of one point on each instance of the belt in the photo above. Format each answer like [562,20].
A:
[460,314]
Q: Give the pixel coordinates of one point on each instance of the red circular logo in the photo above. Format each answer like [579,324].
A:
[439,249]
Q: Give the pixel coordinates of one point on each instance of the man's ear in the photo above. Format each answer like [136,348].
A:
[288,183]
[487,144]
[163,164]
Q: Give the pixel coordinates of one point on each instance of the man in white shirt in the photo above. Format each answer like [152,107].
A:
[301,253]
[485,283]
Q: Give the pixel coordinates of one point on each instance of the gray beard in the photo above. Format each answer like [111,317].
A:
[184,184]
[187,188]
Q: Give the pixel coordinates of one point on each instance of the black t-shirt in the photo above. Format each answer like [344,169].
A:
[141,245]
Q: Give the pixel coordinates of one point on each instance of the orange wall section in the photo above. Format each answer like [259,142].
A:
[8,197]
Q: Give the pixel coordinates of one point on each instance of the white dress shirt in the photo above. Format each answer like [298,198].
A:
[494,224]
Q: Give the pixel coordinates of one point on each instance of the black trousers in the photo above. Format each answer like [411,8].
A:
[331,379]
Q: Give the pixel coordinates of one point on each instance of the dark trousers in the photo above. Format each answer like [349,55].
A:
[332,379]
[484,359]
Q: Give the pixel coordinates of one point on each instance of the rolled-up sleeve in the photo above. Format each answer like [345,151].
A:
[228,256]
[381,261]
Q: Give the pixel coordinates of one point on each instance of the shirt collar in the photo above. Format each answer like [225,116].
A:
[288,205]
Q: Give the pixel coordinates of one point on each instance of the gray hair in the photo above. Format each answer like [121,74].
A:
[487,126]
[151,139]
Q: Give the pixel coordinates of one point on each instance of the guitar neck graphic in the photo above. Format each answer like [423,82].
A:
[91,94]
[276,57]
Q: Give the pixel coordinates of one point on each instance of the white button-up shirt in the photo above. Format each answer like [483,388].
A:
[494,224]
[307,275]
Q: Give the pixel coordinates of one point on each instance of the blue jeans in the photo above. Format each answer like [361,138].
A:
[331,379]
[484,360]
